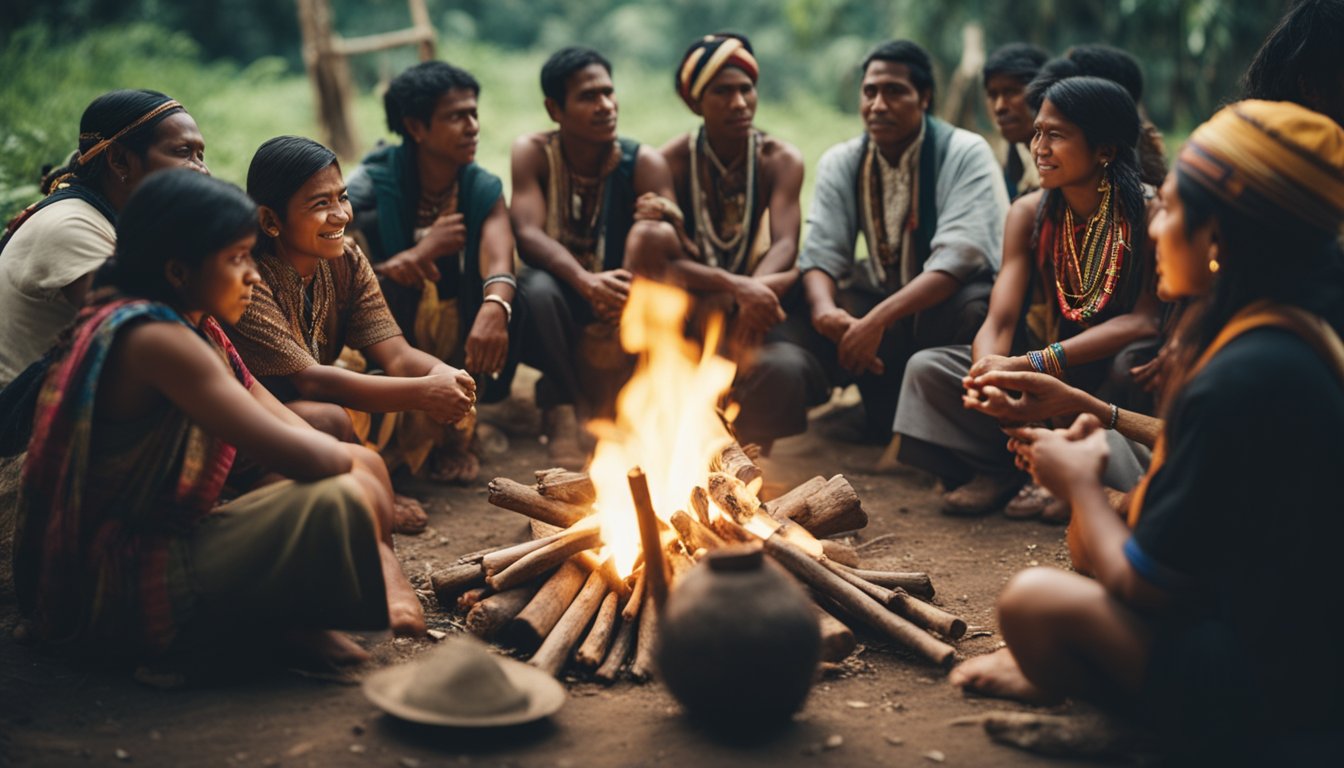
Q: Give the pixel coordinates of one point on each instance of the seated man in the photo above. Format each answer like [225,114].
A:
[319,295]
[1006,74]
[437,232]
[589,210]
[930,202]
[739,189]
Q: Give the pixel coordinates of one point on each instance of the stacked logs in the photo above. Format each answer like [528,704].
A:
[552,596]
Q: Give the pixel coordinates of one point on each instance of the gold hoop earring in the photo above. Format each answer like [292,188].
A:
[1214,266]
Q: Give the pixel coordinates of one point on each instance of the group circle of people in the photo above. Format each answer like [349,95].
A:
[211,385]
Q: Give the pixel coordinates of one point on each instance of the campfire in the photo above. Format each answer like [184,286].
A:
[669,483]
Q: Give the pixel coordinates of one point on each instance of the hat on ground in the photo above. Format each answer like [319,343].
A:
[460,683]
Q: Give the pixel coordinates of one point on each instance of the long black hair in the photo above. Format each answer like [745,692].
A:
[1107,116]
[177,214]
[105,117]
[280,168]
[1302,60]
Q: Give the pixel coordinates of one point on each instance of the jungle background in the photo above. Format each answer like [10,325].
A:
[237,66]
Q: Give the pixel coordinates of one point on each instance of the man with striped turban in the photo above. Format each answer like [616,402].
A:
[738,188]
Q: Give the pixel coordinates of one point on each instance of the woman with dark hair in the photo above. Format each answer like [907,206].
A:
[318,295]
[1302,60]
[1073,299]
[50,251]
[120,546]
[1233,533]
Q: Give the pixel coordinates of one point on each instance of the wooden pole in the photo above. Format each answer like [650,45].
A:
[651,542]
[594,647]
[567,632]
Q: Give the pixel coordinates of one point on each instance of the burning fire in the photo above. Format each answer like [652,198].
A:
[666,417]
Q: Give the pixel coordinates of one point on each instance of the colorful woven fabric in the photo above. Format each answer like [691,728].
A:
[98,554]
[706,58]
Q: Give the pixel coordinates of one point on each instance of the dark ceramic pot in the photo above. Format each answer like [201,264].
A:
[739,641]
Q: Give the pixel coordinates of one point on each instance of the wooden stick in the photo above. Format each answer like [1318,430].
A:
[794,501]
[833,508]
[733,497]
[734,461]
[568,631]
[499,559]
[620,649]
[881,594]
[837,640]
[700,504]
[631,609]
[489,616]
[536,563]
[695,534]
[564,485]
[594,647]
[927,616]
[467,600]
[525,500]
[857,603]
[840,552]
[646,642]
[655,568]
[536,621]
[917,584]
[452,581]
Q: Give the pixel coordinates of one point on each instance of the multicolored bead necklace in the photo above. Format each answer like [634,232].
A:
[1104,244]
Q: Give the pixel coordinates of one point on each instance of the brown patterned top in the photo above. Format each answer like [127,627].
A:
[290,326]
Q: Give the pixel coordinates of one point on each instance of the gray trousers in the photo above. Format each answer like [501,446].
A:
[940,435]
[797,367]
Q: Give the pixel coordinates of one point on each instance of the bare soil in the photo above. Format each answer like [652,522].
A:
[884,708]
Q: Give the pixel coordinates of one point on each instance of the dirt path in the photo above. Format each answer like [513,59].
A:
[887,709]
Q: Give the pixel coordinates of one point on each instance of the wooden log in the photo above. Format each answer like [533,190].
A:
[732,497]
[926,615]
[489,616]
[857,603]
[495,561]
[700,504]
[568,631]
[840,552]
[835,508]
[536,563]
[694,534]
[917,584]
[594,647]
[731,532]
[630,611]
[881,594]
[837,640]
[452,581]
[471,597]
[650,538]
[646,642]
[620,649]
[679,563]
[564,485]
[538,618]
[525,500]
[794,502]
[732,460]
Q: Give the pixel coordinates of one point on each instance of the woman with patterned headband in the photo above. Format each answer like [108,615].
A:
[1233,533]
[738,188]
[51,250]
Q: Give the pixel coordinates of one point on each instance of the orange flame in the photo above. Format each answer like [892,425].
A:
[666,421]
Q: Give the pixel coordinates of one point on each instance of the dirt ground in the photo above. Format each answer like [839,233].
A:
[886,708]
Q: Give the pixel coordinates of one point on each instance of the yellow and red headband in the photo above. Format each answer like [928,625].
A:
[1255,154]
[100,144]
[707,58]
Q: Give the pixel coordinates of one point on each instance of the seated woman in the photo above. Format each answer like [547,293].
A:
[1074,297]
[120,545]
[1234,531]
[53,247]
[318,295]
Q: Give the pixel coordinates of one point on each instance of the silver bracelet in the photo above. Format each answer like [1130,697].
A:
[508,308]
[502,277]
[1115,416]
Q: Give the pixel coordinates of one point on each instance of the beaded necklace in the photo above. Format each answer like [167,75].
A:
[574,205]
[1092,277]
[729,252]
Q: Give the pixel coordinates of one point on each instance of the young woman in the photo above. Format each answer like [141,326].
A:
[120,544]
[319,294]
[1234,532]
[51,249]
[1074,297]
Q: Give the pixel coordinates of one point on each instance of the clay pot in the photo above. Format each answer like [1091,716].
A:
[739,642]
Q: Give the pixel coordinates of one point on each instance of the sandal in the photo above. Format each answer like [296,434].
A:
[1029,503]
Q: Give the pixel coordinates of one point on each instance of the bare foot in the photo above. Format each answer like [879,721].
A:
[408,516]
[455,465]
[404,613]
[998,675]
[327,647]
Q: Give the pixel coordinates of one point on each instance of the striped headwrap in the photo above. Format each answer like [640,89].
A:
[706,58]
[1268,157]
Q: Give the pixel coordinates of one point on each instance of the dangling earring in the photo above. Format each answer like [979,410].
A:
[1214,266]
[1105,185]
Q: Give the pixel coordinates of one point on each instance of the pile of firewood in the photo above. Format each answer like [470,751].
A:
[554,598]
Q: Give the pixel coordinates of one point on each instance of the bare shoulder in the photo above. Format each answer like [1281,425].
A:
[1025,206]
[678,148]
[166,348]
[779,158]
[529,153]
